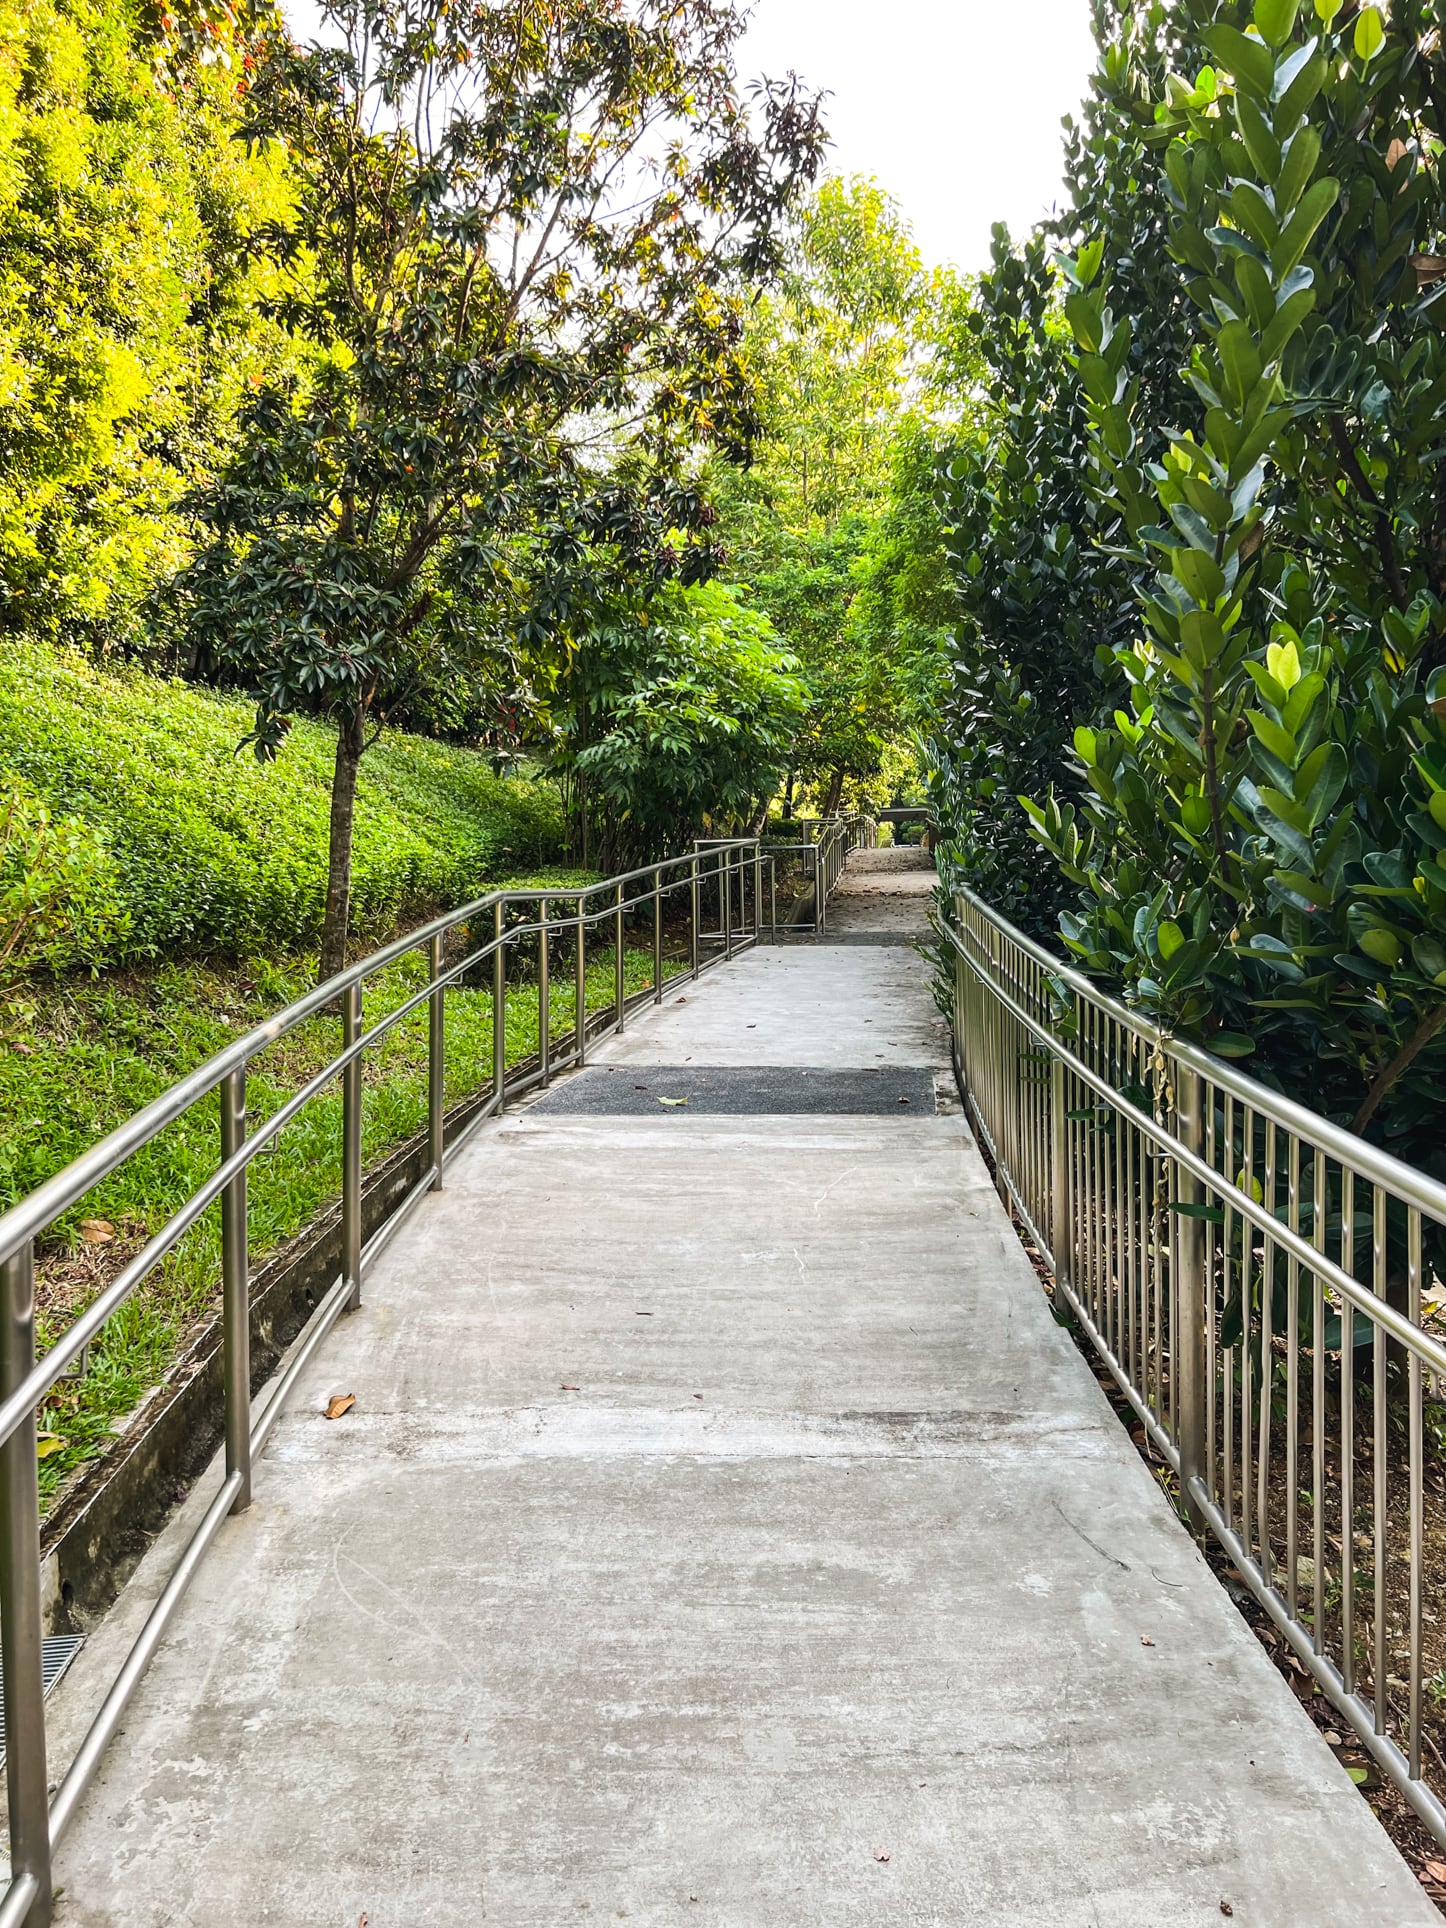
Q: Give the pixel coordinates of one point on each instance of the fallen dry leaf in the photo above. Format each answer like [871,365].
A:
[697,1395]
[1435,1871]
[569,1389]
[97,1231]
[672,1101]
[881,1854]
[339,1403]
[48,1443]
[1145,1640]
[1226,1909]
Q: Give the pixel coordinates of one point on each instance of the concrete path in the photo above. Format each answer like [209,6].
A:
[724,1534]
[882,892]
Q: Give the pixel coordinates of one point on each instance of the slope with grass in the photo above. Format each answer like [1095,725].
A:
[209,852]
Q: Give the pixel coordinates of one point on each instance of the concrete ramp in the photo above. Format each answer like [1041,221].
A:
[724,1533]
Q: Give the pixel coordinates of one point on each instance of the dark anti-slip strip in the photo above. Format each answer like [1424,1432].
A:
[743,1091]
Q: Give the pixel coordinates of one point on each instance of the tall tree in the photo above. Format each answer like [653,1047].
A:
[843,349]
[517,238]
[128,329]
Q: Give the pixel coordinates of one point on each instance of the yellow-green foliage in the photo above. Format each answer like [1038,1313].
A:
[128,326]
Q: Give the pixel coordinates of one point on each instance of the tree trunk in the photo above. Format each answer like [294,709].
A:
[835,792]
[350,742]
[788,796]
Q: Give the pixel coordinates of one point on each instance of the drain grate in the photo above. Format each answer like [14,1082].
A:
[56,1654]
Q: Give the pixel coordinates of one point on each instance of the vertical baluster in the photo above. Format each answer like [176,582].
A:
[1348,1437]
[1188,1364]
[1247,1349]
[620,991]
[725,891]
[499,1005]
[1130,1250]
[1212,1380]
[1317,1404]
[579,973]
[1267,1363]
[696,912]
[437,1061]
[1229,1274]
[21,1626]
[1378,1453]
[1417,1451]
[236,1291]
[544,994]
[773,900]
[657,937]
[351,1147]
[1292,1382]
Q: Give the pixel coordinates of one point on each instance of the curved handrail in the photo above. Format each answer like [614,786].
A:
[1189,1240]
[1370,1161]
[729,871]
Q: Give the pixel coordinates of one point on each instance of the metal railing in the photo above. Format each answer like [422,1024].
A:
[1256,1280]
[724,893]
[831,841]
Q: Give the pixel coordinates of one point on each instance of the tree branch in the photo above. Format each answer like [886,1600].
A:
[1424,1032]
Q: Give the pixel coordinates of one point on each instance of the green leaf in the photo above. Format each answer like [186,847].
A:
[1299,165]
[1381,944]
[1328,9]
[1279,742]
[1370,34]
[1240,359]
[1275,19]
[1315,204]
[1260,142]
[1320,780]
[1170,938]
[1291,313]
[1249,60]
[1087,261]
[1283,662]
[1231,1044]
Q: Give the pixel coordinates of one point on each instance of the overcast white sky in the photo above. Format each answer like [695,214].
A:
[953,106]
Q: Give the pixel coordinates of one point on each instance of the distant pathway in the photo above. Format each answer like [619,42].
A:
[725,1533]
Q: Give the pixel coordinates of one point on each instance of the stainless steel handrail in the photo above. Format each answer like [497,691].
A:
[732,871]
[1209,1235]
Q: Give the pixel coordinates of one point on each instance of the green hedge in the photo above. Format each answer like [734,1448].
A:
[210,852]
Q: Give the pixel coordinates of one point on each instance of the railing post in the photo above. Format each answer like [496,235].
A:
[436,1062]
[619,975]
[499,1007]
[351,1147]
[1061,1232]
[544,1008]
[236,1291]
[773,900]
[657,937]
[757,894]
[579,982]
[725,884]
[697,910]
[21,1630]
[1190,1363]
